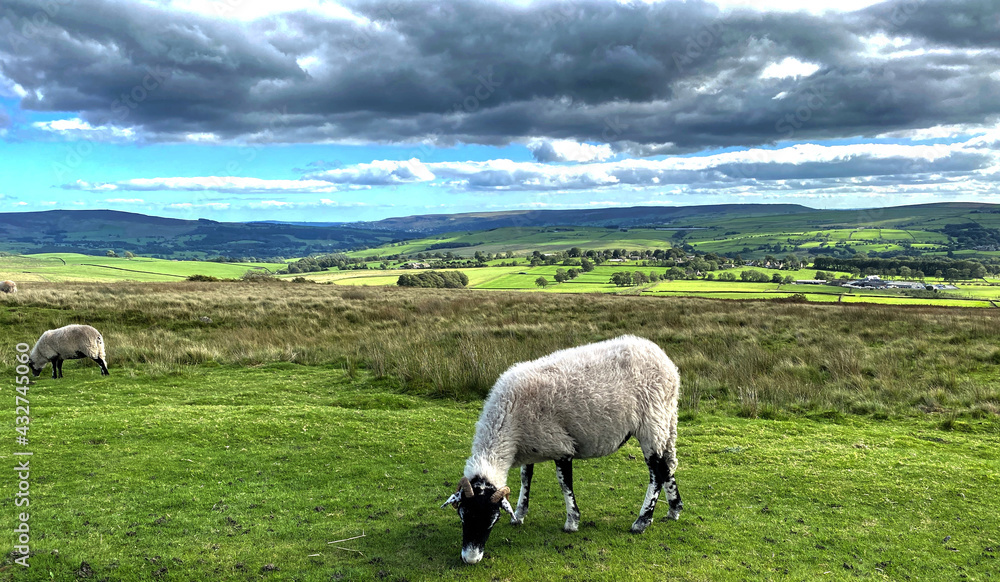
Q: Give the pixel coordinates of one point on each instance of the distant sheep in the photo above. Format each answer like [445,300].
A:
[71,342]
[8,287]
[581,402]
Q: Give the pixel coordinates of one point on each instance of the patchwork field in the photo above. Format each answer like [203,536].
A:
[59,267]
[68,267]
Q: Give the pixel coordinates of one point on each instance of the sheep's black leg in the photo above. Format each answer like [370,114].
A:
[660,477]
[56,367]
[522,497]
[564,471]
[104,367]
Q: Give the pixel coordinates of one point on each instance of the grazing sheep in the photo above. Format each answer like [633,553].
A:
[71,342]
[8,287]
[581,402]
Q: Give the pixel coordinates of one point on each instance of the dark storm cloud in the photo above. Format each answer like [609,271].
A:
[648,79]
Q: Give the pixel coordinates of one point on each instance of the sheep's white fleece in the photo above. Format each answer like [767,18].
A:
[8,287]
[580,402]
[65,342]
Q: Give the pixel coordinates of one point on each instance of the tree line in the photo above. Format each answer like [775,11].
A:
[439,279]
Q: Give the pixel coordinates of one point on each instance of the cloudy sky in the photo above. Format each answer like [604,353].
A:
[339,111]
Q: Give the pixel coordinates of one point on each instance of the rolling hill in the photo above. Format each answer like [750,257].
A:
[750,229]
[94,232]
[428,224]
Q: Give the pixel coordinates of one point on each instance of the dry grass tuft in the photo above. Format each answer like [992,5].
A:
[756,358]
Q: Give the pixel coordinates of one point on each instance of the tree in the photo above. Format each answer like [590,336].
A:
[561,276]
[129,255]
[777,278]
[753,276]
[788,280]
[541,282]
[586,265]
[573,273]
[639,278]
[621,279]
[446,279]
[674,273]
[111,253]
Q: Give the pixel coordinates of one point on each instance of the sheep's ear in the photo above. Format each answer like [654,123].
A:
[505,505]
[455,499]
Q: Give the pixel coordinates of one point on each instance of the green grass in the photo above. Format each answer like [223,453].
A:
[226,472]
[62,267]
[816,442]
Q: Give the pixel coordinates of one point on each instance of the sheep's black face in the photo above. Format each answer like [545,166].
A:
[478,515]
[479,512]
[34,370]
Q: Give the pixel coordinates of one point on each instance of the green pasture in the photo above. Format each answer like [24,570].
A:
[68,267]
[311,432]
[153,477]
[60,267]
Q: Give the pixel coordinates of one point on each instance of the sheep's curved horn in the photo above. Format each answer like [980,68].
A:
[501,493]
[465,487]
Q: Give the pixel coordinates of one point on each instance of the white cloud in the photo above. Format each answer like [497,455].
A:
[834,170]
[567,150]
[377,173]
[77,128]
[813,6]
[201,137]
[192,206]
[248,10]
[788,67]
[213,183]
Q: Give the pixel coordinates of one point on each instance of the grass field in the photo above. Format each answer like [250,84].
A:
[158,479]
[816,441]
[68,267]
[59,267]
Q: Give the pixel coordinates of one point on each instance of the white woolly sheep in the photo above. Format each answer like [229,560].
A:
[576,403]
[8,287]
[71,342]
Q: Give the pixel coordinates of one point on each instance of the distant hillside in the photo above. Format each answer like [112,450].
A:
[94,232]
[750,229]
[625,217]
[961,229]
